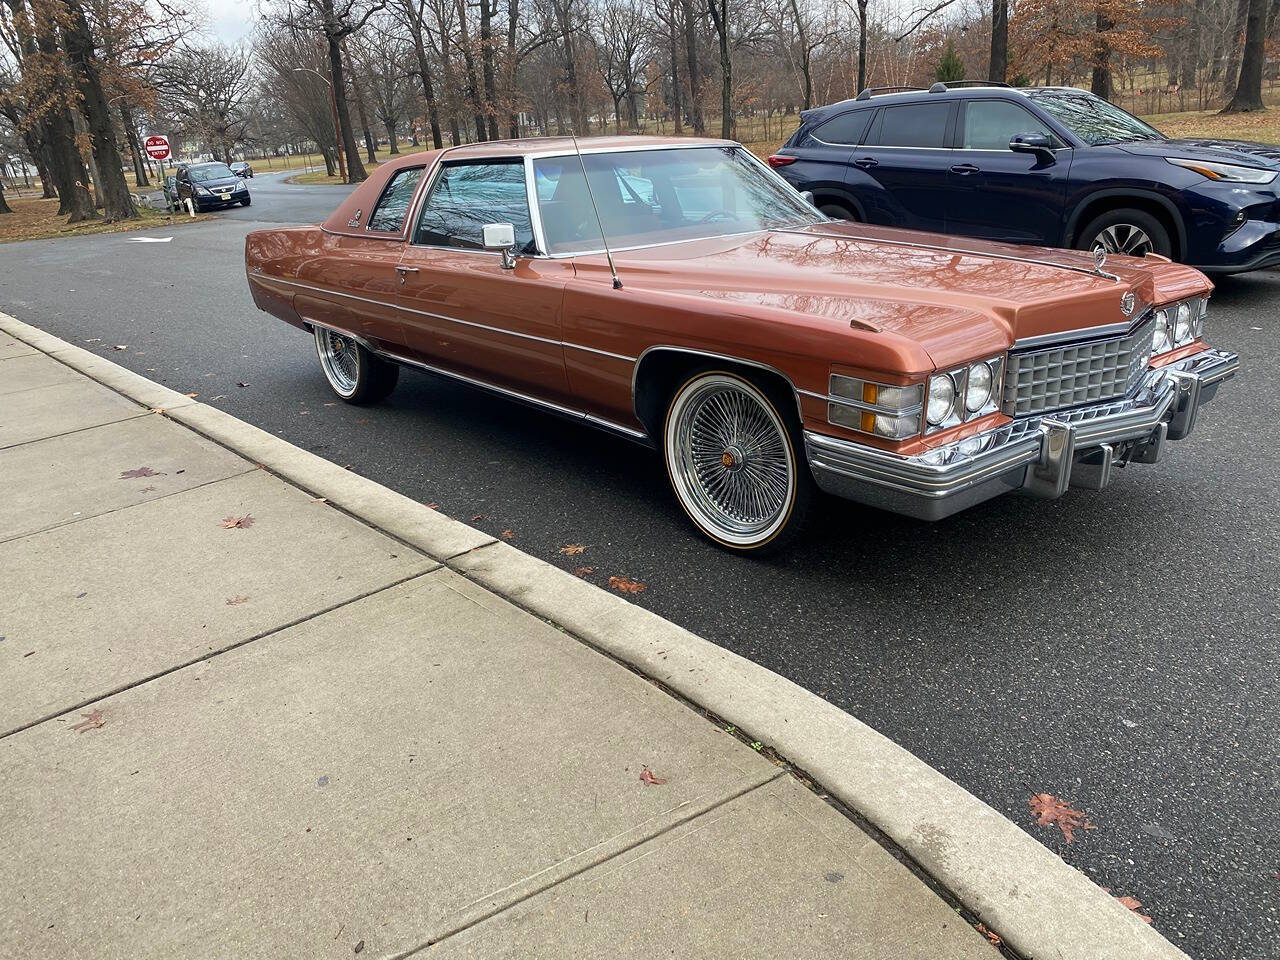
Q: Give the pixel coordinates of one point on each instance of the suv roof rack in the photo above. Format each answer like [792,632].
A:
[941,87]
[870,92]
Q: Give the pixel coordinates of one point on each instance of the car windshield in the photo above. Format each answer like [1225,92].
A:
[1094,120]
[654,196]
[239,165]
[210,171]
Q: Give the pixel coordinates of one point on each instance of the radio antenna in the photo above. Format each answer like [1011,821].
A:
[617,283]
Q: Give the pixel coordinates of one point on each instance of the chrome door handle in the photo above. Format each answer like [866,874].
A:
[405,271]
[866,163]
[964,169]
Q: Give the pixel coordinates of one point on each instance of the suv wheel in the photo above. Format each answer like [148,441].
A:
[837,211]
[1127,231]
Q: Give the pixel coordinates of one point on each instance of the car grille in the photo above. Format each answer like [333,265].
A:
[1037,381]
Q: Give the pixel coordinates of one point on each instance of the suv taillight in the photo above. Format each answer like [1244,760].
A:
[779,160]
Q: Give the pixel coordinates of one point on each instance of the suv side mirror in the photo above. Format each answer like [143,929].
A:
[1037,143]
[501,237]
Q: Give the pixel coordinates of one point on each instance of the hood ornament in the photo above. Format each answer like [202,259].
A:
[1100,261]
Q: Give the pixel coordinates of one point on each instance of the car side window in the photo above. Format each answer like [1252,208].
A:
[466,196]
[845,130]
[914,125]
[393,206]
[989,124]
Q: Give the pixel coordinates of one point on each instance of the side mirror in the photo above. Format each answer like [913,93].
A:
[1037,143]
[807,196]
[501,237]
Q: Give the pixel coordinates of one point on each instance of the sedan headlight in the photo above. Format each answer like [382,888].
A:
[1228,172]
[1179,324]
[957,396]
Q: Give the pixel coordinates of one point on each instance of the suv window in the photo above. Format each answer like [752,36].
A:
[988,124]
[466,196]
[914,125]
[846,129]
[393,205]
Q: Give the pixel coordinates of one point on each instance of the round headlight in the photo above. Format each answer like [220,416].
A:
[1182,325]
[978,392]
[942,398]
[1162,341]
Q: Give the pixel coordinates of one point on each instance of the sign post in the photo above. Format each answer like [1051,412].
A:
[157,148]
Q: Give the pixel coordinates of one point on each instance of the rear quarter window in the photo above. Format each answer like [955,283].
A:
[846,130]
[388,216]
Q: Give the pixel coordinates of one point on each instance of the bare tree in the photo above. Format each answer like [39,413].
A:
[207,88]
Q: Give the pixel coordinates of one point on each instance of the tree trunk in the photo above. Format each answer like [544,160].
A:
[1238,25]
[571,68]
[862,45]
[1101,85]
[1248,95]
[4,204]
[693,68]
[469,63]
[424,71]
[370,145]
[135,147]
[486,67]
[999,41]
[355,169]
[511,64]
[113,192]
[391,137]
[720,19]
[677,107]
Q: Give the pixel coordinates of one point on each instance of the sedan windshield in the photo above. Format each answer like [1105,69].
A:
[654,196]
[1094,120]
[210,171]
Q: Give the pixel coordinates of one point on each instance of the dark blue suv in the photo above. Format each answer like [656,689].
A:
[1047,165]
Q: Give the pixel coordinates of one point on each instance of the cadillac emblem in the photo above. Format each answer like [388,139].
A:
[355,221]
[1127,303]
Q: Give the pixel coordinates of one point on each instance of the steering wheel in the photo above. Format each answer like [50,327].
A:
[718,215]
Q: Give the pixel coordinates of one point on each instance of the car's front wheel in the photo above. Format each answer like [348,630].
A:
[1128,231]
[246,201]
[354,374]
[733,459]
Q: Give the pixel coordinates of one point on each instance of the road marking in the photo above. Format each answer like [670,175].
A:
[149,239]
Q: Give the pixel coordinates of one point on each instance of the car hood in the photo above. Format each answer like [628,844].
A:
[220,182]
[954,298]
[1196,148]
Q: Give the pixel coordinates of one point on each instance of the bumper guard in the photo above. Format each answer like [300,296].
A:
[1040,456]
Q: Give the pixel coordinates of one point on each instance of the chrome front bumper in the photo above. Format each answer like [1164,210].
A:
[1041,456]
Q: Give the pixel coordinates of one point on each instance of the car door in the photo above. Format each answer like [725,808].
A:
[901,173]
[462,309]
[996,193]
[825,157]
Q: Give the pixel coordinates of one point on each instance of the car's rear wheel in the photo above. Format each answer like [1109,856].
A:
[1128,231]
[733,461]
[837,211]
[354,374]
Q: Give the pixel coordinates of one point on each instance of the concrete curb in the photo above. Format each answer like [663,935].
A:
[1039,905]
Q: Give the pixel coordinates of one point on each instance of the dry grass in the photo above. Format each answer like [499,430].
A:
[36,219]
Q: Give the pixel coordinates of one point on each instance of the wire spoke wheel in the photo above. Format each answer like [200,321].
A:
[1124,238]
[340,359]
[730,460]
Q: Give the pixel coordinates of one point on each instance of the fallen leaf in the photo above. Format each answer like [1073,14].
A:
[236,600]
[507,534]
[433,506]
[139,472]
[237,523]
[624,585]
[573,549]
[478,516]
[584,571]
[359,946]
[191,395]
[121,346]
[148,490]
[1049,810]
[93,720]
[241,384]
[1133,903]
[319,499]
[221,396]
[992,937]
[646,776]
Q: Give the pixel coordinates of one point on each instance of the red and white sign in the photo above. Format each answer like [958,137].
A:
[157,147]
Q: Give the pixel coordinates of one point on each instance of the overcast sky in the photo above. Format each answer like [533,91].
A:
[230,20]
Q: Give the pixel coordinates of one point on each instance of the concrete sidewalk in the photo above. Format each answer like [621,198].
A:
[237,721]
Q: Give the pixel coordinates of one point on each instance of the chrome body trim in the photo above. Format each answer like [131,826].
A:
[694,351]
[1033,454]
[1065,337]
[442,316]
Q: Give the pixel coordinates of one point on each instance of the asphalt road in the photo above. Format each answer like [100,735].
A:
[1118,649]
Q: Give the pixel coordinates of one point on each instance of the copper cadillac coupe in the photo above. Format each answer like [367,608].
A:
[678,292]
